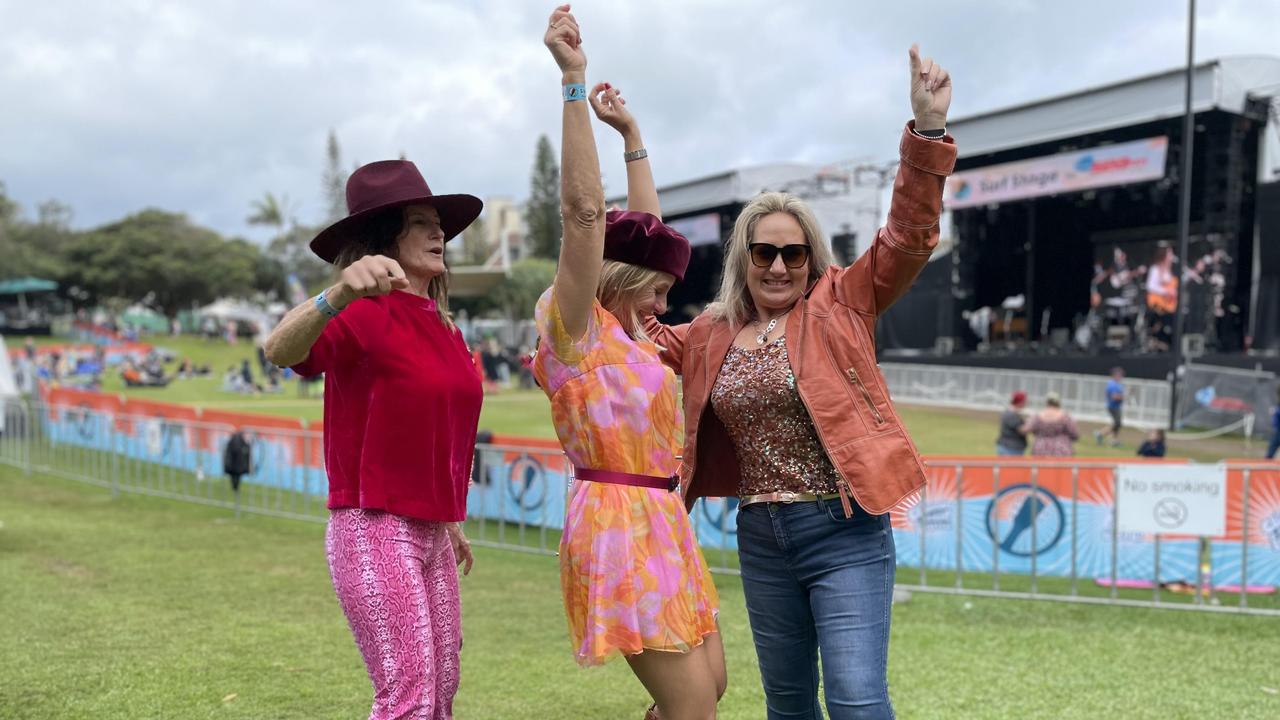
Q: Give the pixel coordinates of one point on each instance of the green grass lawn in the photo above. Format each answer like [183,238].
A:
[138,607]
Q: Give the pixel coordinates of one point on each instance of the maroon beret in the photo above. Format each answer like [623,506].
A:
[638,238]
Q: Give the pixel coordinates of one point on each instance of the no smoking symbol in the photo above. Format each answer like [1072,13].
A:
[1170,513]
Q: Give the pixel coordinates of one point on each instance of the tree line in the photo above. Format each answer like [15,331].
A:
[171,263]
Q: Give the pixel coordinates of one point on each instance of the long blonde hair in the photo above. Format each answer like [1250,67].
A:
[733,301]
[618,290]
[381,236]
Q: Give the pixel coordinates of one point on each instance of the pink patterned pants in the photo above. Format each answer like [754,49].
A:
[397,583]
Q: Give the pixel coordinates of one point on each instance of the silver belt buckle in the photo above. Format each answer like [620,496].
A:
[787,496]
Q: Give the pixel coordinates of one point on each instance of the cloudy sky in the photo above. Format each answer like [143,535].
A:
[202,108]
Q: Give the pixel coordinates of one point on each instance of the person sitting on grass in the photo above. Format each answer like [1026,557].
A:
[133,377]
[1153,446]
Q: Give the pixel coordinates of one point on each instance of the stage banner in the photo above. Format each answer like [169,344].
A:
[1212,397]
[1119,164]
[985,518]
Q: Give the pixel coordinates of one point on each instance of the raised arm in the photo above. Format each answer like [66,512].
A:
[670,341]
[291,341]
[581,192]
[611,108]
[902,247]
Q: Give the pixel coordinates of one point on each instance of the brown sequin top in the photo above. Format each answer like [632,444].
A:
[755,397]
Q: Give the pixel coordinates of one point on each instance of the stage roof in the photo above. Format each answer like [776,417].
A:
[474,281]
[1226,84]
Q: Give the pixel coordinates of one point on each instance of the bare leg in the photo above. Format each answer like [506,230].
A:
[682,683]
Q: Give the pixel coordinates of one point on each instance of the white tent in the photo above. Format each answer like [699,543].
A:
[8,384]
[227,309]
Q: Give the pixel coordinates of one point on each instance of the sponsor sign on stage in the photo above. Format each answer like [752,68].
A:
[1118,164]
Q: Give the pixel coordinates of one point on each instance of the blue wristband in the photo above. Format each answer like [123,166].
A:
[574,91]
[322,304]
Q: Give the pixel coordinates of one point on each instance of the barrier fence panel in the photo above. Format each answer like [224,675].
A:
[1084,396]
[1033,528]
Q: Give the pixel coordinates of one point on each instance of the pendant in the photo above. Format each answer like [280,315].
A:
[764,334]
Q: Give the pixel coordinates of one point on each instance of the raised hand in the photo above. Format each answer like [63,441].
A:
[610,107]
[370,275]
[930,91]
[564,40]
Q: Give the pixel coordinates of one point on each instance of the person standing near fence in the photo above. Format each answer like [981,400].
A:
[633,578]
[237,459]
[1012,441]
[1115,407]
[786,408]
[1275,428]
[1055,430]
[401,406]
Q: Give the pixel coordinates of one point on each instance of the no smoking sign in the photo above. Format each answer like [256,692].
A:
[1172,499]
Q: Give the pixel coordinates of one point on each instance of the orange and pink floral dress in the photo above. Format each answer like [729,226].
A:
[631,571]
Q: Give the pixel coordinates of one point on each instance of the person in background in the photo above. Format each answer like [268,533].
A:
[1054,429]
[237,459]
[1153,446]
[1115,407]
[1012,441]
[1275,428]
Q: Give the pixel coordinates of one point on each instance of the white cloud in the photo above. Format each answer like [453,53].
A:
[204,107]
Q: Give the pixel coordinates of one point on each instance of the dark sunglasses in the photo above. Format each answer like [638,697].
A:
[793,256]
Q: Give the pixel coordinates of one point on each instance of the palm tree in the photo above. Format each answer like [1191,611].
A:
[272,211]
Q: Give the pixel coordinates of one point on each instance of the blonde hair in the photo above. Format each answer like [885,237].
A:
[733,301]
[381,236]
[620,284]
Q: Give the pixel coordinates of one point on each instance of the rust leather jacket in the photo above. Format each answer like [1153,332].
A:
[830,337]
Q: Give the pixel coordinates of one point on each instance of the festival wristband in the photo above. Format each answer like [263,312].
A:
[322,304]
[574,91]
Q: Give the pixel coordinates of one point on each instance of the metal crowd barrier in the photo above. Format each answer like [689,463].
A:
[1084,396]
[1022,528]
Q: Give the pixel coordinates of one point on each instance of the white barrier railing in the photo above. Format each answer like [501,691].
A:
[1083,396]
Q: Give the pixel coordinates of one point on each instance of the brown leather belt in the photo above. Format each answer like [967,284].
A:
[786,497]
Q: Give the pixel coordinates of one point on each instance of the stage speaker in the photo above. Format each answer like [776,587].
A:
[1192,345]
[944,345]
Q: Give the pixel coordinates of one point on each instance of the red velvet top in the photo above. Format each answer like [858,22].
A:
[401,404]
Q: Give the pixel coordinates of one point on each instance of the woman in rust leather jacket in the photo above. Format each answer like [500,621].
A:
[786,409]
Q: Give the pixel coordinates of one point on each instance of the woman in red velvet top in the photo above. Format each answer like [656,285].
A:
[401,404]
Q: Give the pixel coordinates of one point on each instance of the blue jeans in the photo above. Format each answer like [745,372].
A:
[817,583]
[1274,446]
[1009,452]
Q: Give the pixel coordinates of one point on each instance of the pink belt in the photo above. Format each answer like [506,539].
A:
[620,478]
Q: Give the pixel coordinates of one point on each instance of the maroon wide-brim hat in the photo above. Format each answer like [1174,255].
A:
[638,238]
[388,184]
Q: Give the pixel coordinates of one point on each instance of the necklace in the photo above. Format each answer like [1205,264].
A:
[763,335]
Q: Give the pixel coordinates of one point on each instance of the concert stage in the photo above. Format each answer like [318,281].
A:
[1064,232]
